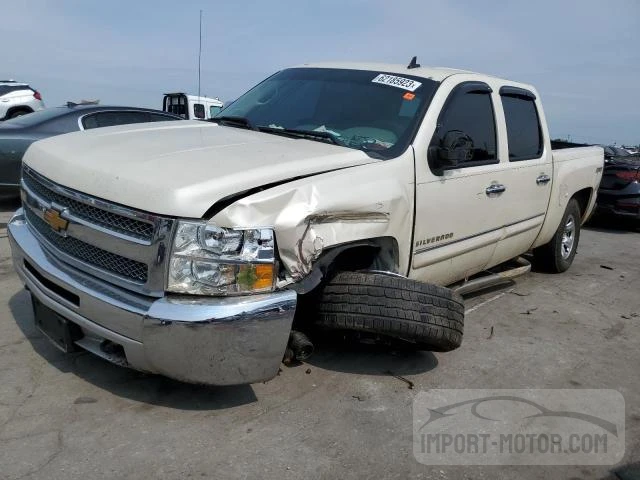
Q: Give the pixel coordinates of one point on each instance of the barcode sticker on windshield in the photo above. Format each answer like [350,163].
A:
[400,82]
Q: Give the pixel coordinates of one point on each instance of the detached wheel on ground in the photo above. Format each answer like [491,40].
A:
[557,255]
[429,316]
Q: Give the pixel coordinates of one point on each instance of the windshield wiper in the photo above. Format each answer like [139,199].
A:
[311,134]
[233,121]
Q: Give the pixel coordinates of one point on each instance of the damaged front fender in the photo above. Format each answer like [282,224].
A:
[315,213]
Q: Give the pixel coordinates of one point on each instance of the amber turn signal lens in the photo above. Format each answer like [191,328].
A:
[264,277]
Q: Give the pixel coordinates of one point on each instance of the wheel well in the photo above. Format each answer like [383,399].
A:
[21,108]
[583,197]
[370,254]
[379,254]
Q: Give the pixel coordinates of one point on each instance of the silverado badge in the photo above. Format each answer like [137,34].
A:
[53,218]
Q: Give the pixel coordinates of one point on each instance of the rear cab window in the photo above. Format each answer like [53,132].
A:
[198,110]
[524,133]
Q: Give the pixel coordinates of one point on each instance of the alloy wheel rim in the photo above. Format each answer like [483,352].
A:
[568,237]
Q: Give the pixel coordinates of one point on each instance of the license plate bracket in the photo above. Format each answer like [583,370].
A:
[60,331]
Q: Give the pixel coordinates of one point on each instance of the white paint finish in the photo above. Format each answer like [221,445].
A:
[574,169]
[23,98]
[456,201]
[179,168]
[384,187]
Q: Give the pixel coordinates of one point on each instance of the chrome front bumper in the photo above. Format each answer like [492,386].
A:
[215,341]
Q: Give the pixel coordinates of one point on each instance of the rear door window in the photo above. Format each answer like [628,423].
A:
[524,134]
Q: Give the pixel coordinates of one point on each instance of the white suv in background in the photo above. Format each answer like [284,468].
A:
[18,99]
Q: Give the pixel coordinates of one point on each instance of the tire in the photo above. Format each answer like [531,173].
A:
[557,256]
[428,316]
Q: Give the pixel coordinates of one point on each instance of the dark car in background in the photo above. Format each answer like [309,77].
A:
[18,133]
[611,151]
[619,192]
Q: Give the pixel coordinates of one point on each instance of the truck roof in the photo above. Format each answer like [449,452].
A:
[434,73]
[195,97]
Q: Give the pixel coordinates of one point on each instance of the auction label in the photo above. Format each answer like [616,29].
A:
[400,82]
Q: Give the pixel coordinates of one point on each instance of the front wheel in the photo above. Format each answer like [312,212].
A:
[427,316]
[557,255]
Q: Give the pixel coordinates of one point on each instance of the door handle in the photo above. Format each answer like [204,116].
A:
[495,188]
[543,179]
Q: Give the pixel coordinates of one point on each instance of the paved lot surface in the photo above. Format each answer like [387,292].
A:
[77,416]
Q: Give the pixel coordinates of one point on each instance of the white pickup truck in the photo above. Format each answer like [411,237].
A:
[359,197]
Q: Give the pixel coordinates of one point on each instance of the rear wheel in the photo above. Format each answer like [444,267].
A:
[428,316]
[557,255]
[18,113]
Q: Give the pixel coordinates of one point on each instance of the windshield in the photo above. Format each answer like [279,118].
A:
[366,110]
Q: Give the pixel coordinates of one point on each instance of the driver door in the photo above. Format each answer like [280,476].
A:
[458,220]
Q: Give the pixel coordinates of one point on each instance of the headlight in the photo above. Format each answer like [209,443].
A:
[209,260]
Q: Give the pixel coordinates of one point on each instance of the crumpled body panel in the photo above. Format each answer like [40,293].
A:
[318,212]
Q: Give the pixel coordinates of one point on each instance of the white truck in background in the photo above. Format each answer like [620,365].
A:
[355,197]
[191,107]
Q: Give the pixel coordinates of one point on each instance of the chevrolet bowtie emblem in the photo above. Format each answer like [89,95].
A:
[53,218]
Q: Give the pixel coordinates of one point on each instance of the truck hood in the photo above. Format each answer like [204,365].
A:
[180,168]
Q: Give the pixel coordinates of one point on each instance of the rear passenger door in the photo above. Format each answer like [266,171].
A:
[458,210]
[528,176]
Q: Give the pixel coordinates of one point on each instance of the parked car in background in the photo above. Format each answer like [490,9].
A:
[17,134]
[18,99]
[619,192]
[611,151]
[191,107]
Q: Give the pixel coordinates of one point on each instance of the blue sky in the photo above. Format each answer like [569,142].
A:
[583,56]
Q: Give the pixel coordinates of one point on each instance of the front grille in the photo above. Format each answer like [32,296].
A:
[110,262]
[98,216]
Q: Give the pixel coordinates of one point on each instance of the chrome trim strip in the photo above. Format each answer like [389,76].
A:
[65,213]
[427,249]
[92,201]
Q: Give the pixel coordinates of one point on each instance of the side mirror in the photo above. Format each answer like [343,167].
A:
[455,147]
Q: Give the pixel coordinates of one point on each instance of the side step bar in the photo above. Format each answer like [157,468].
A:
[522,266]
